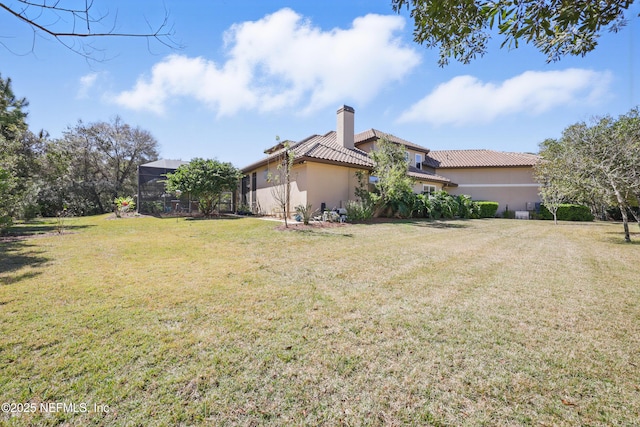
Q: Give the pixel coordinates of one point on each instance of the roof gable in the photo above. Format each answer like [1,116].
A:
[374,134]
[321,148]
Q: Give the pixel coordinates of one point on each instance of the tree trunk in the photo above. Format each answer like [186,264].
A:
[623,210]
[635,214]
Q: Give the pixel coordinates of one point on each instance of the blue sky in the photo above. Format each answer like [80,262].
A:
[249,71]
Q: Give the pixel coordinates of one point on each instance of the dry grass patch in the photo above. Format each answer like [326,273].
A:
[232,322]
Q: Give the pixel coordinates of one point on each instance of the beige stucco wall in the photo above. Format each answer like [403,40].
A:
[265,200]
[311,182]
[329,184]
[512,187]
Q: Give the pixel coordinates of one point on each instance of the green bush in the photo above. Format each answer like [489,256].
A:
[466,208]
[487,209]
[568,212]
[305,212]
[359,210]
[509,214]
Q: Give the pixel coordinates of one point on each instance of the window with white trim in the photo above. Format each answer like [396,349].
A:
[418,161]
[428,189]
[407,156]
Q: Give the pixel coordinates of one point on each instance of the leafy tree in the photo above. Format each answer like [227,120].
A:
[6,199]
[554,179]
[393,186]
[101,161]
[597,163]
[205,180]
[15,158]
[461,29]
[12,114]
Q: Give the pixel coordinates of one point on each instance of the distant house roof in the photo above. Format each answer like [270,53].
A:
[321,148]
[165,164]
[478,158]
[374,134]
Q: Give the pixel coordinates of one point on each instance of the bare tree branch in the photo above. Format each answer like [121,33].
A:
[46,17]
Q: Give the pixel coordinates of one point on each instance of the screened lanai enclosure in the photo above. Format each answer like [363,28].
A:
[152,195]
[154,199]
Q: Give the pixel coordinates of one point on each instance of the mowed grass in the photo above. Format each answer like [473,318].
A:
[232,322]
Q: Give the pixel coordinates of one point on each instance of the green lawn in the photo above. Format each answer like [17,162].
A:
[232,322]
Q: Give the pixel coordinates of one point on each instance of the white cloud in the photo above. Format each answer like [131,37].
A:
[282,61]
[86,83]
[467,100]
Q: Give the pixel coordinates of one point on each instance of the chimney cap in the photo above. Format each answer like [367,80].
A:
[346,108]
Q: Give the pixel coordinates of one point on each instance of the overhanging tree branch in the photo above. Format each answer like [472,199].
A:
[44,17]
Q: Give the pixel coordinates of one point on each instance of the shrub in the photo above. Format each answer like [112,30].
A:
[124,205]
[305,212]
[467,208]
[509,214]
[568,212]
[359,210]
[487,209]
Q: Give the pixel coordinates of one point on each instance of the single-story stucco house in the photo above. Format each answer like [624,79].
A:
[325,166]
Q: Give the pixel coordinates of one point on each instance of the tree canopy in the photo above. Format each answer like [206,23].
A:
[205,180]
[597,164]
[12,129]
[461,29]
[97,162]
[392,185]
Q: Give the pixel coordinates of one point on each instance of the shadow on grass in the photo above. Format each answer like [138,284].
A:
[419,222]
[618,238]
[188,217]
[320,233]
[213,218]
[32,229]
[15,255]
[16,252]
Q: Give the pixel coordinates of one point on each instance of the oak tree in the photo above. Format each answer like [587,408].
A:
[462,29]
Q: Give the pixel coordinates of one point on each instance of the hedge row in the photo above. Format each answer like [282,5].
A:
[488,209]
[568,212]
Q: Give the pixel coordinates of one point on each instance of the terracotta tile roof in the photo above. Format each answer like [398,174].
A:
[373,134]
[428,176]
[478,158]
[324,148]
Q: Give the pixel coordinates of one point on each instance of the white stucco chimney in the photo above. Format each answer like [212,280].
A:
[345,128]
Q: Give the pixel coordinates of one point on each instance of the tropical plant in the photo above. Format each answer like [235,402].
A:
[306,212]
[124,205]
[442,205]
[466,207]
[359,210]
